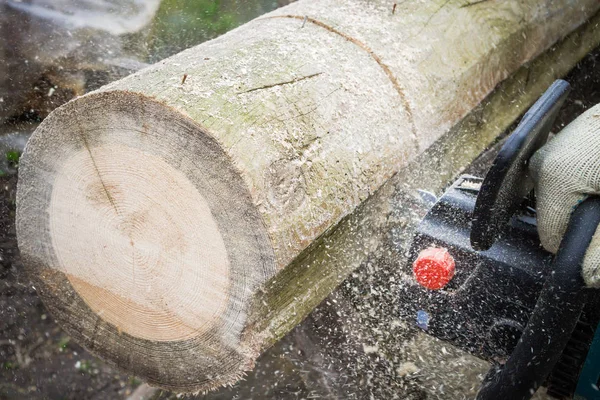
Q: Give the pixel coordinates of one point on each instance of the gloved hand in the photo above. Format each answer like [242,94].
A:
[566,171]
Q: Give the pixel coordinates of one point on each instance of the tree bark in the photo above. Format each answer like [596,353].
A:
[153,212]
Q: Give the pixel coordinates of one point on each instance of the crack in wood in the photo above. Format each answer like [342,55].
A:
[473,3]
[302,78]
[279,117]
[110,198]
[433,15]
[399,89]
[89,150]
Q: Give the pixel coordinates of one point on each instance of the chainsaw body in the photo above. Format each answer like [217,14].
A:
[486,306]
[497,289]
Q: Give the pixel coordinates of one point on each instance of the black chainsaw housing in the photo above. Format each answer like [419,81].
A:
[510,301]
[486,306]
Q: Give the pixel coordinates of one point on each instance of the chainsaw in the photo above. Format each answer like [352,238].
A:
[483,282]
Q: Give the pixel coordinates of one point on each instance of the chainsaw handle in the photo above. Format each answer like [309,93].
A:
[556,312]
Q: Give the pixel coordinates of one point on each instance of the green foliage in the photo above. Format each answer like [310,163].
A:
[133,381]
[180,24]
[12,156]
[64,341]
[85,366]
[9,365]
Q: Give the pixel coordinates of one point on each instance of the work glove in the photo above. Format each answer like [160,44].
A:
[566,171]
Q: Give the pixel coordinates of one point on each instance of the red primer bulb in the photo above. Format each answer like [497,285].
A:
[434,268]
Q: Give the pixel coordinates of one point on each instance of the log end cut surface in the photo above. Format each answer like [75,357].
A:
[142,239]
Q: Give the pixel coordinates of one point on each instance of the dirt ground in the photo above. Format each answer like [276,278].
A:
[334,353]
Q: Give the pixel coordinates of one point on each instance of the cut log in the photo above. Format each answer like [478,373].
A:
[152,213]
